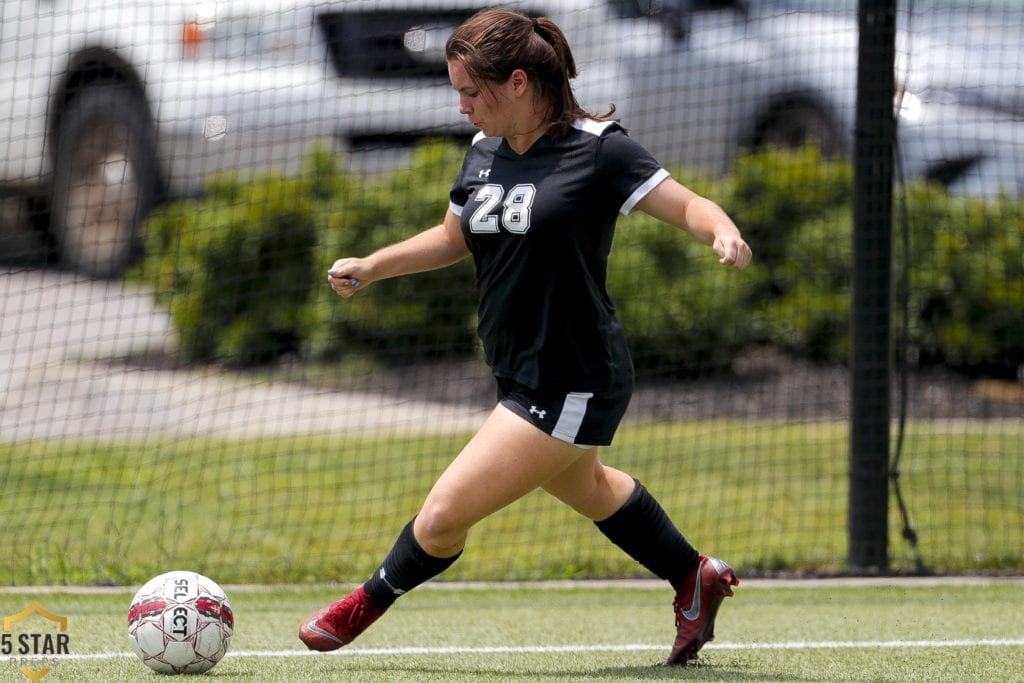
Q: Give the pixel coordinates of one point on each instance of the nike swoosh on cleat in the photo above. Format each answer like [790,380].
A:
[693,613]
[316,629]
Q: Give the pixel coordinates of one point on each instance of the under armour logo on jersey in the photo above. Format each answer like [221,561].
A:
[534,410]
[484,173]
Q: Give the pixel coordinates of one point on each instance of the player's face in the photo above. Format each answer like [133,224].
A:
[482,106]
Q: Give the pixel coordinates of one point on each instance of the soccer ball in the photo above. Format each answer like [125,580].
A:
[180,622]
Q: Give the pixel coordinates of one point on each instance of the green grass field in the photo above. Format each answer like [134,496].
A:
[766,496]
[288,515]
[894,630]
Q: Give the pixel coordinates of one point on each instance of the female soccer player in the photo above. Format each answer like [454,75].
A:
[535,205]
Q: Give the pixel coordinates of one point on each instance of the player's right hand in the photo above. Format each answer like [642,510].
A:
[347,276]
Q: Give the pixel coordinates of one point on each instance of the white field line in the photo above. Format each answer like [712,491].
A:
[623,584]
[543,649]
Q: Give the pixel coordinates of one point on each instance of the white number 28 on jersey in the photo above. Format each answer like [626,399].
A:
[515,215]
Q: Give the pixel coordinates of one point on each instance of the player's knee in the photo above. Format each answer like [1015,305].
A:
[596,495]
[439,528]
[586,503]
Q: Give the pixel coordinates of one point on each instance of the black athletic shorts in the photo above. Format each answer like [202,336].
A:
[583,419]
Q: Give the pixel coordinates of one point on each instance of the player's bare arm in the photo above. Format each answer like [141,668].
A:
[436,247]
[683,208]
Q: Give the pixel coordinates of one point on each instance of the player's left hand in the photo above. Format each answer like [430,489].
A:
[732,251]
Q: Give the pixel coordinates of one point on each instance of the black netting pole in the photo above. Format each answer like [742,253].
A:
[870,354]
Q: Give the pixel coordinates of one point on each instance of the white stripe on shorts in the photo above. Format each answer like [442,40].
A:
[571,419]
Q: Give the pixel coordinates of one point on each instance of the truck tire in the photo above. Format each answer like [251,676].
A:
[105,180]
[798,124]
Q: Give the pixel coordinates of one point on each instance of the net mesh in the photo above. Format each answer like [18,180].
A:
[179,388]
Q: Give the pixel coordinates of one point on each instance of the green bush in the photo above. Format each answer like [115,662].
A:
[810,315]
[243,271]
[688,315]
[682,311]
[963,288]
[966,281]
[772,193]
[794,210]
[233,269]
[426,314]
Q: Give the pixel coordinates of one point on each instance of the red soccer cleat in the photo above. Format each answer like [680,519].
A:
[696,606]
[339,623]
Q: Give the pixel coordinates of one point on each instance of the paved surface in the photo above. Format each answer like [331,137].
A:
[61,339]
[59,334]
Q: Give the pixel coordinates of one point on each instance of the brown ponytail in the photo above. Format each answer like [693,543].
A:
[493,43]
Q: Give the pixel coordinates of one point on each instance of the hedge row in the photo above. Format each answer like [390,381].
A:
[242,271]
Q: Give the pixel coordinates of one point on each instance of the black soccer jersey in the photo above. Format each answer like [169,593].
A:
[540,228]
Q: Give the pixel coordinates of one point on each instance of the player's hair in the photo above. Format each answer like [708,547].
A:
[493,43]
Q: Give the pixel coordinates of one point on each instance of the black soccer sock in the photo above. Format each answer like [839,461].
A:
[406,566]
[642,528]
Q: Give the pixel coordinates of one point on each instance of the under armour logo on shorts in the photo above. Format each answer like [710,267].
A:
[534,410]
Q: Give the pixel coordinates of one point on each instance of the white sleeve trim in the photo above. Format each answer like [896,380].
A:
[642,191]
[455,208]
[591,126]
